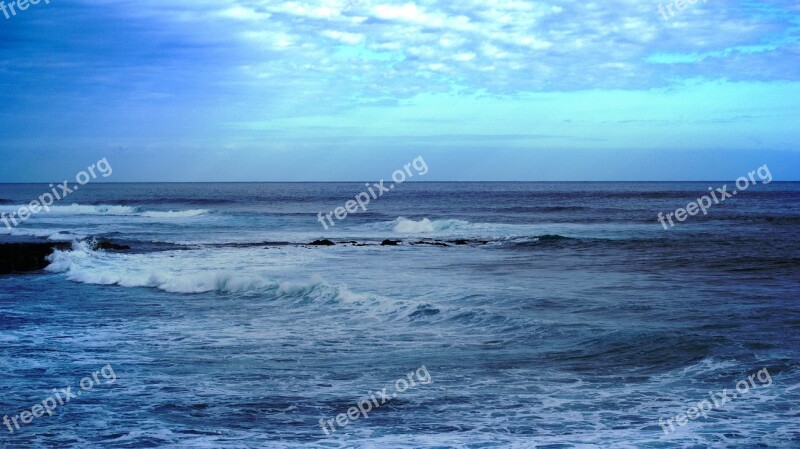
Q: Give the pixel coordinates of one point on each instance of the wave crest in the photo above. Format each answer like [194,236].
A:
[112,210]
[79,209]
[174,214]
[426,226]
[85,265]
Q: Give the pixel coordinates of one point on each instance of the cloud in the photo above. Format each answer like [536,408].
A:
[344,37]
[280,58]
[503,46]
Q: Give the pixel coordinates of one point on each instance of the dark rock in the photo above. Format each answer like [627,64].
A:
[353,243]
[390,243]
[422,242]
[266,244]
[322,243]
[467,242]
[26,257]
[111,246]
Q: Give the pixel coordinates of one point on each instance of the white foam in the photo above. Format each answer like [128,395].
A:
[78,209]
[405,226]
[112,210]
[222,281]
[175,214]
[196,271]
[225,270]
[62,236]
[426,226]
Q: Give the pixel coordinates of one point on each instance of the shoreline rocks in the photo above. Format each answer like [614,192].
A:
[111,246]
[26,257]
[325,242]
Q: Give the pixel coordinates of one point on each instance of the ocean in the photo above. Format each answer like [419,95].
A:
[494,315]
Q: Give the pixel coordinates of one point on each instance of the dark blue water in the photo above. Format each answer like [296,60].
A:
[547,315]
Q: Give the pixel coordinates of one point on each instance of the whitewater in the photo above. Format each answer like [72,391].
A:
[548,315]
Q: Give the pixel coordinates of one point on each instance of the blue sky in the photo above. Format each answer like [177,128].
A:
[238,90]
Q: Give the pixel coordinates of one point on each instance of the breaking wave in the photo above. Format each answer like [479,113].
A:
[113,210]
[405,226]
[174,214]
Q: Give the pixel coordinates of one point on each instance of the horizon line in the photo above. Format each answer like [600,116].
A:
[94,182]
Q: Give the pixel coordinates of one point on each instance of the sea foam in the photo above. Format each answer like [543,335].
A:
[114,210]
[426,226]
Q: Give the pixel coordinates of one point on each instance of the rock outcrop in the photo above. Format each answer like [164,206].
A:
[26,257]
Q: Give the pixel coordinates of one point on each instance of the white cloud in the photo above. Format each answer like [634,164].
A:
[497,46]
[344,37]
[464,57]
